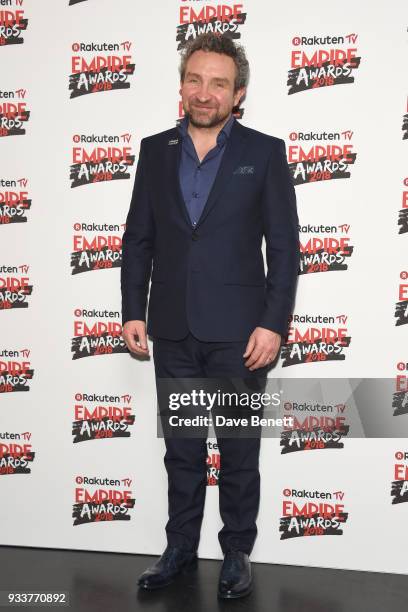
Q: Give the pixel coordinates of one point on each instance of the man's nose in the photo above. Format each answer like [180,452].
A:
[203,92]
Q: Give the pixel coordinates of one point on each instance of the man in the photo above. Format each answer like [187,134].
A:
[205,195]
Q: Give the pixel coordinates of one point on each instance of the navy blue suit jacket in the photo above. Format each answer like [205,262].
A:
[211,279]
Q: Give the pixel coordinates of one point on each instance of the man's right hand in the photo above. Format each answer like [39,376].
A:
[134,335]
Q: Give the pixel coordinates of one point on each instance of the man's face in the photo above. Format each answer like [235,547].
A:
[208,89]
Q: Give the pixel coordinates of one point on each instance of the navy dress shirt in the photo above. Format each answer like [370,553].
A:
[196,178]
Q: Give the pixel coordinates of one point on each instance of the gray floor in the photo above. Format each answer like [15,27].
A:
[104,581]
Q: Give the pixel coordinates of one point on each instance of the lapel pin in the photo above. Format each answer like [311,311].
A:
[173,142]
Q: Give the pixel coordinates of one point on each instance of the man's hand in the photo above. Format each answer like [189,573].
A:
[262,348]
[138,329]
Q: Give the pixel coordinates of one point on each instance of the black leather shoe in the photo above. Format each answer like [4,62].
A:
[173,562]
[235,577]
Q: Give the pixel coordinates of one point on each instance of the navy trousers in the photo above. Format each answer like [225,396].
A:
[186,458]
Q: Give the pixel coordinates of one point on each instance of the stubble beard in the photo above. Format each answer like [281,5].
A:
[199,120]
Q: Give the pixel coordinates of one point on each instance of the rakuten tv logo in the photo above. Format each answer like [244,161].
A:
[13,115]
[15,370]
[105,417]
[315,338]
[400,395]
[93,337]
[315,427]
[194,20]
[311,518]
[96,247]
[401,307]
[13,202]
[12,24]
[310,163]
[213,463]
[110,503]
[95,69]
[325,248]
[331,60]
[100,163]
[14,287]
[15,458]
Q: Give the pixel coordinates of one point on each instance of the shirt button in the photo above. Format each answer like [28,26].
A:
[195,194]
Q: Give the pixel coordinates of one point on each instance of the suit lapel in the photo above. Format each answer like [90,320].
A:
[234,149]
[174,154]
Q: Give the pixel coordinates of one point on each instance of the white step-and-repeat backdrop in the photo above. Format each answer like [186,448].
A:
[82,81]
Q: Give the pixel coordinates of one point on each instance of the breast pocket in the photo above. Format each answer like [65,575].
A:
[247,185]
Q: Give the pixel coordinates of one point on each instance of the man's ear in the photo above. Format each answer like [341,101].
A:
[238,95]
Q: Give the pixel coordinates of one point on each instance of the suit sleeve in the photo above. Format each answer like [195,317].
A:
[137,247]
[282,241]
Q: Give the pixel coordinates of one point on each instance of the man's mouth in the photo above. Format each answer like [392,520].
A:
[203,107]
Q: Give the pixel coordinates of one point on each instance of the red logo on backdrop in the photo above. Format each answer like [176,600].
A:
[223,19]
[310,162]
[110,503]
[101,162]
[14,287]
[12,23]
[16,457]
[92,338]
[97,67]
[325,249]
[400,395]
[95,247]
[312,432]
[15,370]
[399,486]
[315,338]
[13,202]
[322,61]
[403,213]
[301,517]
[14,115]
[108,417]
[401,307]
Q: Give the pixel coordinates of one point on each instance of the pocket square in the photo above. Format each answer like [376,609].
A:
[244,170]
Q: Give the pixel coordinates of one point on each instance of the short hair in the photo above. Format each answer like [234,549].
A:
[218,43]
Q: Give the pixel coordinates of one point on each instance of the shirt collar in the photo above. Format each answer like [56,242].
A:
[223,134]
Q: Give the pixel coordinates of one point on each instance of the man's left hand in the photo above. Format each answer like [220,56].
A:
[262,348]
